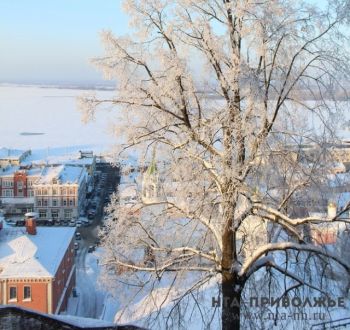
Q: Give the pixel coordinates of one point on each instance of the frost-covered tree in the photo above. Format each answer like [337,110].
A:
[225,95]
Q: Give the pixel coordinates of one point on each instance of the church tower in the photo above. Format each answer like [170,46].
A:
[150,182]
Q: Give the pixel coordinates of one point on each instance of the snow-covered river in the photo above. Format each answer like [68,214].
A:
[52,115]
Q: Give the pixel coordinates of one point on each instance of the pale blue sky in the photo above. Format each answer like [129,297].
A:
[53,40]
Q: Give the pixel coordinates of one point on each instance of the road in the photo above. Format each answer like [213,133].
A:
[90,298]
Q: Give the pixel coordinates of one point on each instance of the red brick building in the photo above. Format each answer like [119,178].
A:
[17,189]
[37,271]
[20,184]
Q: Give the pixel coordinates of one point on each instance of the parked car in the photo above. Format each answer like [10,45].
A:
[11,222]
[85,222]
[78,223]
[20,223]
[92,211]
[91,248]
[91,214]
[76,246]
[72,223]
[77,236]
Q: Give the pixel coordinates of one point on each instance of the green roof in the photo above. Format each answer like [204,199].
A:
[152,168]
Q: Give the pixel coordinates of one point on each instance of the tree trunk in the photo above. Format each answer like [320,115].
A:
[230,303]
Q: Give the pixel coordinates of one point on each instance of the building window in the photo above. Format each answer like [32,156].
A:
[54,214]
[71,202]
[8,193]
[27,294]
[44,191]
[68,214]
[71,191]
[13,293]
[54,202]
[63,191]
[39,202]
[45,202]
[20,188]
[64,202]
[7,183]
[38,192]
[42,214]
[54,191]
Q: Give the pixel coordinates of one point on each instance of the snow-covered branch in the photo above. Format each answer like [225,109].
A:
[249,262]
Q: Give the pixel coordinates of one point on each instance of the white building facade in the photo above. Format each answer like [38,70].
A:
[60,193]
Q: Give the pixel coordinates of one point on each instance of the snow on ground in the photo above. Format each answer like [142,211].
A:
[200,313]
[51,114]
[93,300]
[91,295]
[190,313]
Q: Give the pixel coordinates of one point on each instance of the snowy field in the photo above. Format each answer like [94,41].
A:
[51,118]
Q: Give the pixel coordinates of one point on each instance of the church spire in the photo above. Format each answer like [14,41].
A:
[150,180]
[152,168]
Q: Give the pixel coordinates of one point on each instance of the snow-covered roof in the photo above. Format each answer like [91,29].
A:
[83,322]
[79,162]
[24,255]
[64,174]
[11,154]
[342,199]
[56,158]
[339,179]
[11,170]
[15,315]
[8,171]
[34,172]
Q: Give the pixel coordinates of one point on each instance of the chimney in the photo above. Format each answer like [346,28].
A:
[30,223]
[31,226]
